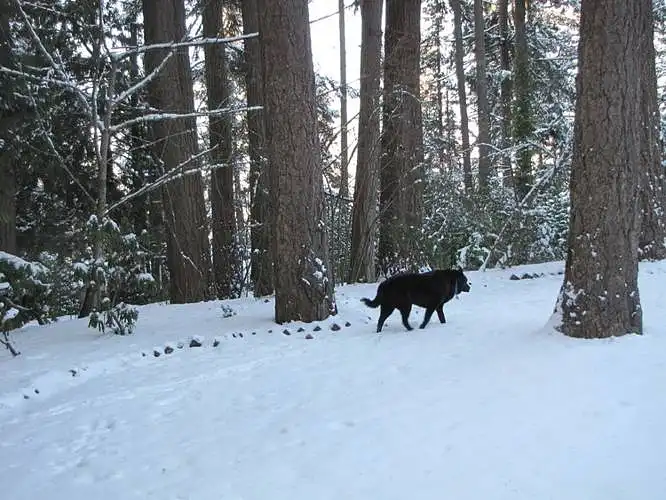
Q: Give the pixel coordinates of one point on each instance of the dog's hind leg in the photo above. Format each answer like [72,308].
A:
[384,313]
[404,312]
[440,313]
[428,315]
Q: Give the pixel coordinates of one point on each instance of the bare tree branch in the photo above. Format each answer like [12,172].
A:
[180,116]
[160,181]
[8,344]
[141,83]
[178,45]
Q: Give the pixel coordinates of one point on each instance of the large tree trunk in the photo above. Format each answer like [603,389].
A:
[652,240]
[7,118]
[482,106]
[188,253]
[364,212]
[599,297]
[303,282]
[225,256]
[462,93]
[260,237]
[506,90]
[522,114]
[402,138]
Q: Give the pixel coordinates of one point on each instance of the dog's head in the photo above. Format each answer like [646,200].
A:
[462,284]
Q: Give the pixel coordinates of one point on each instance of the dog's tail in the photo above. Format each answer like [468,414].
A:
[371,303]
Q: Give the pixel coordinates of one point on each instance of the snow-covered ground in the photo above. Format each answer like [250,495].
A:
[491,405]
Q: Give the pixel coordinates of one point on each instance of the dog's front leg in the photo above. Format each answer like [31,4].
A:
[426,318]
[404,312]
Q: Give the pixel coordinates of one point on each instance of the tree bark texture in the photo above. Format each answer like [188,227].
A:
[262,261]
[402,138]
[506,90]
[482,105]
[7,173]
[600,297]
[652,240]
[344,148]
[226,264]
[303,281]
[462,94]
[188,252]
[364,212]
[522,113]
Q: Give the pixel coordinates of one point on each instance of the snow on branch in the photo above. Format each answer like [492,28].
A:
[169,176]
[178,45]
[180,116]
[143,82]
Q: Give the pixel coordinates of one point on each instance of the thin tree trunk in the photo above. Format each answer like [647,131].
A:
[139,206]
[522,114]
[188,252]
[462,94]
[450,130]
[102,95]
[239,218]
[344,149]
[225,255]
[364,212]
[439,78]
[482,106]
[599,296]
[506,90]
[7,173]
[7,201]
[303,280]
[260,237]
[8,184]
[402,138]
[652,240]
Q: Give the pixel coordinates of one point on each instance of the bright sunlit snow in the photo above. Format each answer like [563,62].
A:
[492,405]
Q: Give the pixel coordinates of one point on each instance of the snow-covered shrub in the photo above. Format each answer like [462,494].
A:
[465,230]
[472,255]
[120,319]
[338,221]
[550,222]
[227,310]
[24,292]
[123,274]
[458,228]
[67,281]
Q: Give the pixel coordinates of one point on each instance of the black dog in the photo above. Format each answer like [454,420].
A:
[430,290]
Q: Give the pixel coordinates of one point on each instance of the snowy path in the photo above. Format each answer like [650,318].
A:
[488,406]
